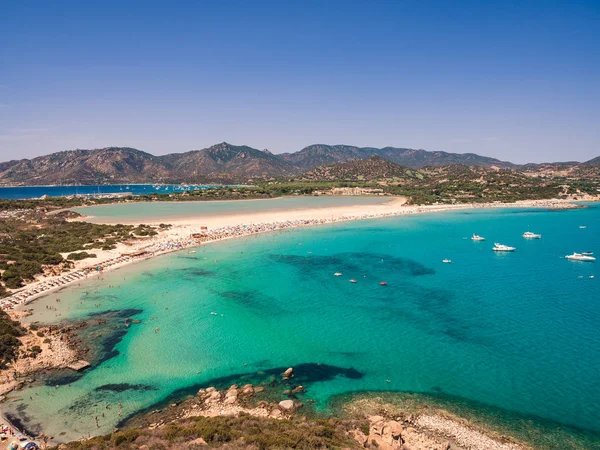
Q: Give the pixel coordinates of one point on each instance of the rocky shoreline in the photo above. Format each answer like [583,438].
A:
[389,429]
[59,349]
[367,423]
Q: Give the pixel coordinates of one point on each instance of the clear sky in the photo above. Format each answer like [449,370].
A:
[515,80]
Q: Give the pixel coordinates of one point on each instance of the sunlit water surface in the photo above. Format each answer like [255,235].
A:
[515,331]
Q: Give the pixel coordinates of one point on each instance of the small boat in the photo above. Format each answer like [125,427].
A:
[383,283]
[530,235]
[213,313]
[337,274]
[582,226]
[581,257]
[353,281]
[503,248]
[476,237]
[447,261]
[191,252]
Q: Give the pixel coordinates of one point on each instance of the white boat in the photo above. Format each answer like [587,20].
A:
[530,235]
[476,237]
[582,226]
[447,261]
[503,248]
[587,256]
[191,252]
[337,274]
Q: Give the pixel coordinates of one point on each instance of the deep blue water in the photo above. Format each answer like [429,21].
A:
[27,192]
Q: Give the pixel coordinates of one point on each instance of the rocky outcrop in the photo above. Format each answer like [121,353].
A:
[286,405]
[387,434]
[211,402]
[289,373]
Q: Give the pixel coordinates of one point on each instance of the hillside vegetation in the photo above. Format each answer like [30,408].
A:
[222,163]
[31,243]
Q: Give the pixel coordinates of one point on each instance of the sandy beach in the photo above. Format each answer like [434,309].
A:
[191,231]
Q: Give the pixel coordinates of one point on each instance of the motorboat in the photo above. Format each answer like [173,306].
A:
[476,237]
[353,281]
[530,235]
[447,261]
[503,248]
[337,274]
[587,256]
[383,283]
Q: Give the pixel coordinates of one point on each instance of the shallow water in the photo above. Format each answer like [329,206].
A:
[515,331]
[165,211]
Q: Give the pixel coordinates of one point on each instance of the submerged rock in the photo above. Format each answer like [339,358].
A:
[298,390]
[289,373]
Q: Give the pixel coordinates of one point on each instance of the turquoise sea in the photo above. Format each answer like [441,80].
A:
[512,335]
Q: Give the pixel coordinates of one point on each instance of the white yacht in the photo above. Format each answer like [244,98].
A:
[337,274]
[586,256]
[447,261]
[530,235]
[502,248]
[476,237]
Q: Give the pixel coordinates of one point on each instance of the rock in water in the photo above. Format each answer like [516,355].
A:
[289,373]
[286,405]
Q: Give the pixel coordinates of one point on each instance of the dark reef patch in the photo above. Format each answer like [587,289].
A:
[24,424]
[122,387]
[429,309]
[253,300]
[374,264]
[196,272]
[97,297]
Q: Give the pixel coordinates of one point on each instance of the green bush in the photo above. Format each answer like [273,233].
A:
[10,331]
[81,255]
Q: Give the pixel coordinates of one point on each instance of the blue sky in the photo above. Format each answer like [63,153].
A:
[515,80]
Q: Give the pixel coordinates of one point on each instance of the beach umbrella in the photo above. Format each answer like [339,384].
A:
[31,446]
[14,445]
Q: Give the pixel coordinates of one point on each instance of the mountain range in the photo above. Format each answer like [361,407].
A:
[222,163]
